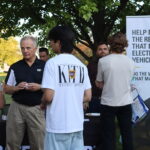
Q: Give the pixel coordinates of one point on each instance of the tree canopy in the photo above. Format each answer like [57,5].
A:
[91,20]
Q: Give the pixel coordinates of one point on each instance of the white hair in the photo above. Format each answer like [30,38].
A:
[34,40]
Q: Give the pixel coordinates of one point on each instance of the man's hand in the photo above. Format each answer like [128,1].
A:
[21,86]
[43,106]
[47,98]
[33,87]
[86,105]
[99,84]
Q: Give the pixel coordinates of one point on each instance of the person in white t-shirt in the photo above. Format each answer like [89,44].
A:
[66,87]
[115,72]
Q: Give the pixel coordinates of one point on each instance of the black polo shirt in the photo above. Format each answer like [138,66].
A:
[22,72]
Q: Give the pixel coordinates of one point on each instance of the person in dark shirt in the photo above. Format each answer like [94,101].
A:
[102,50]
[44,54]
[23,81]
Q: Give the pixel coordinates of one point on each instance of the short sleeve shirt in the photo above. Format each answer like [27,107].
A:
[22,72]
[116,71]
[68,77]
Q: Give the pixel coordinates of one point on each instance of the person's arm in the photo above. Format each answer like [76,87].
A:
[87,98]
[87,91]
[47,97]
[99,78]
[10,89]
[10,85]
[87,95]
[48,84]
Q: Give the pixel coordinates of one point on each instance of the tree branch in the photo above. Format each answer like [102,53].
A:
[80,22]
[114,16]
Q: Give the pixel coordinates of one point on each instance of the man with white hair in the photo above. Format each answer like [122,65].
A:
[23,81]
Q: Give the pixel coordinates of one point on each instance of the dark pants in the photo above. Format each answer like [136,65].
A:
[108,115]
[94,105]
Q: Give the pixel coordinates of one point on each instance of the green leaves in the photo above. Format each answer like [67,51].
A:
[87,8]
[91,20]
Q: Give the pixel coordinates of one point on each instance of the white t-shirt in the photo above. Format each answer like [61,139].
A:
[68,77]
[116,70]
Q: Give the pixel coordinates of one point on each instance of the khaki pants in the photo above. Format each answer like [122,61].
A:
[21,117]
